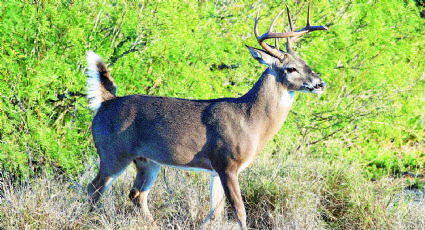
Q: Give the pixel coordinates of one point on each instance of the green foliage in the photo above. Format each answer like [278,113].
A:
[371,57]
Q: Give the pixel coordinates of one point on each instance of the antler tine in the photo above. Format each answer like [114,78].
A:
[274,21]
[276,40]
[289,42]
[309,28]
[276,43]
[291,24]
[256,25]
[308,15]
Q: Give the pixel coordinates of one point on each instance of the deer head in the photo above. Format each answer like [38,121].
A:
[289,69]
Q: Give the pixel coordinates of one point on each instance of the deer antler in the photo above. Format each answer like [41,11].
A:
[291,36]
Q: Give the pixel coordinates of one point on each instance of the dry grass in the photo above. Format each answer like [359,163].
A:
[293,193]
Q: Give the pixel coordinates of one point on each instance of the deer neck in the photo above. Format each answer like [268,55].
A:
[267,106]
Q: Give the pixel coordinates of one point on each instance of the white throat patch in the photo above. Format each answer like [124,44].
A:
[287,98]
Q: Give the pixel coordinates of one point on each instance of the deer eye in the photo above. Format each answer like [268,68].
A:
[291,69]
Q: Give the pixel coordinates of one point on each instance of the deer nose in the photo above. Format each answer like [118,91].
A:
[322,85]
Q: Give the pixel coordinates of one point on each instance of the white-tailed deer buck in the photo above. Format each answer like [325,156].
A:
[220,136]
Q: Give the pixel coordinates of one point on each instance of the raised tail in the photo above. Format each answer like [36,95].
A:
[100,84]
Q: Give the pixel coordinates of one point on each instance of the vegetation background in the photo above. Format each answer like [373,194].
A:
[352,158]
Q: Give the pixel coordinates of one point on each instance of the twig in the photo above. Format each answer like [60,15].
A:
[326,137]
[133,48]
[67,95]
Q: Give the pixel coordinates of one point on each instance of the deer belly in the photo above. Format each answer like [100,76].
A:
[177,158]
[194,169]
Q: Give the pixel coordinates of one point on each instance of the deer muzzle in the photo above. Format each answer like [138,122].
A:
[315,87]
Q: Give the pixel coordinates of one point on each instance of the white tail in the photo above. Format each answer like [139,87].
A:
[220,136]
[100,85]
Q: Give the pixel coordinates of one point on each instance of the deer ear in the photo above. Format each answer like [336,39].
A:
[262,56]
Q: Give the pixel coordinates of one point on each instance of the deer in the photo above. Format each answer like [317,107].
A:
[219,136]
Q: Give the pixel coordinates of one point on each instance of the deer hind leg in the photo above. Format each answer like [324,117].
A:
[216,197]
[147,171]
[110,168]
[216,200]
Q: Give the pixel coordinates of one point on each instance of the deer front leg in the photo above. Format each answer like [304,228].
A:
[229,180]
